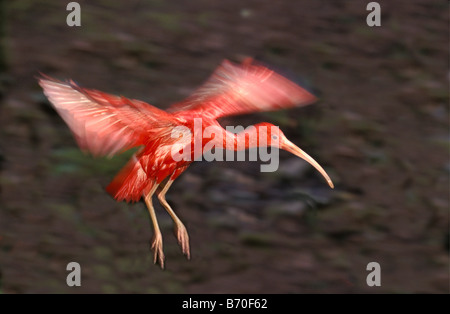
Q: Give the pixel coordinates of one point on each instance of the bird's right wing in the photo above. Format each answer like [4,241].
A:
[237,89]
[103,124]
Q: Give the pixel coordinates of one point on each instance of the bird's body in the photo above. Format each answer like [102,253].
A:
[105,124]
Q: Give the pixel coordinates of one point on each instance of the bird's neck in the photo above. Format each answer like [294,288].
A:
[244,138]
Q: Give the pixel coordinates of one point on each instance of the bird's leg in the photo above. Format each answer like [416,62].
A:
[180,229]
[157,244]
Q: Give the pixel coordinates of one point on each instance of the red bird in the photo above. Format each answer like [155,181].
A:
[105,124]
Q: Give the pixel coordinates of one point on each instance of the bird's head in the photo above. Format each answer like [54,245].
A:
[276,138]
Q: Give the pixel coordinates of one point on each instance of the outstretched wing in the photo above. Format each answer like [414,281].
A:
[103,124]
[237,89]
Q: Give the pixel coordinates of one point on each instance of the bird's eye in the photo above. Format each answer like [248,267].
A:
[274,137]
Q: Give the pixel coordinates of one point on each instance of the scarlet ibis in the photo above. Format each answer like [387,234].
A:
[105,124]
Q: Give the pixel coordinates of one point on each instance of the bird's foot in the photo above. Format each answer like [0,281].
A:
[157,247]
[183,239]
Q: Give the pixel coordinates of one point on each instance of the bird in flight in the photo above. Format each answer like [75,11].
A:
[105,125]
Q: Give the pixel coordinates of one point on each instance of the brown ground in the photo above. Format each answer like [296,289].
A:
[380,129]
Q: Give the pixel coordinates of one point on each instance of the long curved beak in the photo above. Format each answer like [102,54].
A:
[292,148]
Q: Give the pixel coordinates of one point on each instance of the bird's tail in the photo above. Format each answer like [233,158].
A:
[130,183]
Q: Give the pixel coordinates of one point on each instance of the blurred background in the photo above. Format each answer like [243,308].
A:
[380,129]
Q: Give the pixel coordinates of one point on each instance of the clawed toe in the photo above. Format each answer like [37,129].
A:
[183,239]
[157,248]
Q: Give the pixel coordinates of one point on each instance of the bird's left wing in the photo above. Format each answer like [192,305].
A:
[103,124]
[243,88]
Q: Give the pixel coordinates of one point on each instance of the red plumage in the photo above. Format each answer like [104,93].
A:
[105,124]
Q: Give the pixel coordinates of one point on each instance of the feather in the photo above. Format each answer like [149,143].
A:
[104,124]
[239,89]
